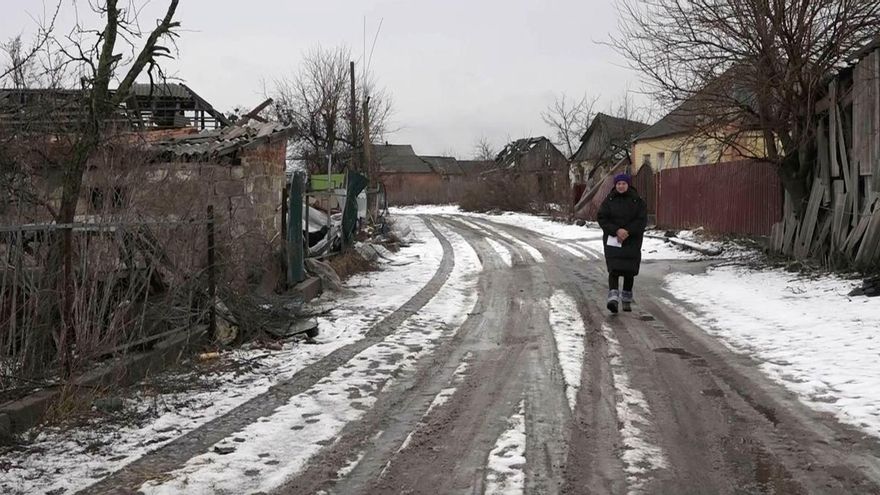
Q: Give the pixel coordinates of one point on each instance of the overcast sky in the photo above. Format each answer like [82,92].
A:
[457,69]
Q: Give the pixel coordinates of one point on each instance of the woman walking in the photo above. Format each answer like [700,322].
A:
[623,217]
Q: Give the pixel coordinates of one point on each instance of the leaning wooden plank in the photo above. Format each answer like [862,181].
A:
[811,217]
[858,90]
[856,234]
[832,129]
[791,227]
[778,231]
[824,166]
[838,238]
[875,172]
[867,114]
[841,149]
[820,242]
[869,240]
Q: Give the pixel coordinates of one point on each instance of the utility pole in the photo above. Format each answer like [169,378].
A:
[372,203]
[353,165]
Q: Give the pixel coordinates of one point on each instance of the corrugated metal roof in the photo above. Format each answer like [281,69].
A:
[220,142]
[173,90]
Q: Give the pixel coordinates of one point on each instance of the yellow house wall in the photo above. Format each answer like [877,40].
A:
[716,152]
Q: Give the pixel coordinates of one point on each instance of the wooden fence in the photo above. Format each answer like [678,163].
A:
[841,222]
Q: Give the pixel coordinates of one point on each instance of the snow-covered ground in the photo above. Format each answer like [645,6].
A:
[806,333]
[588,236]
[505,468]
[275,448]
[640,455]
[569,333]
[72,459]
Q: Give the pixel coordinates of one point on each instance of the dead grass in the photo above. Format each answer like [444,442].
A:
[73,405]
[350,263]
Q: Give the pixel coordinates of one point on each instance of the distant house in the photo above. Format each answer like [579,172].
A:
[536,164]
[446,166]
[698,132]
[606,141]
[534,154]
[408,178]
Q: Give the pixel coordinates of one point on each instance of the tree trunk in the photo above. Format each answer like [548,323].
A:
[795,175]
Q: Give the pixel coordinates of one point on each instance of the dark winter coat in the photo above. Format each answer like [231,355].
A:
[624,211]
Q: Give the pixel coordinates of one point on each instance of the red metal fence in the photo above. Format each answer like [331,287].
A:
[736,197]
[643,182]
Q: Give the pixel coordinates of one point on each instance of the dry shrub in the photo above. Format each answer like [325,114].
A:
[73,404]
[499,193]
[350,263]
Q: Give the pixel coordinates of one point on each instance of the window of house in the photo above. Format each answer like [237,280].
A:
[702,155]
[646,159]
[661,161]
[676,159]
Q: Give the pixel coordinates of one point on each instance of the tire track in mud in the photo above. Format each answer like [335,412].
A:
[367,445]
[175,454]
[448,448]
[719,426]
[546,406]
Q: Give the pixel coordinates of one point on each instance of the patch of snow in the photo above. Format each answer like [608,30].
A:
[586,255]
[505,467]
[531,250]
[569,332]
[348,468]
[296,431]
[640,456]
[67,459]
[502,251]
[653,249]
[807,334]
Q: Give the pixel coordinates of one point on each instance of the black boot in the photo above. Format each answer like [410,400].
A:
[613,295]
[626,299]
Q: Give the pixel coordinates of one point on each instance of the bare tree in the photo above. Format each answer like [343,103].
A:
[21,58]
[315,101]
[483,149]
[754,66]
[569,119]
[118,52]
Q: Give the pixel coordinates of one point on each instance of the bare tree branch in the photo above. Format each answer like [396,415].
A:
[315,101]
[736,69]
[569,119]
[483,149]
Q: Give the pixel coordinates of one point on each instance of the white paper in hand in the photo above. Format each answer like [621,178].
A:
[613,241]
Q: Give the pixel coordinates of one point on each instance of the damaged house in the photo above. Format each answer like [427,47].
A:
[606,141]
[171,156]
[536,166]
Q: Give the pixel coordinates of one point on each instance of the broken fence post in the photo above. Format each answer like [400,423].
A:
[295,270]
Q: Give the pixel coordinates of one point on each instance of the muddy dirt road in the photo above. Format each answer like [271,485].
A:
[541,390]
